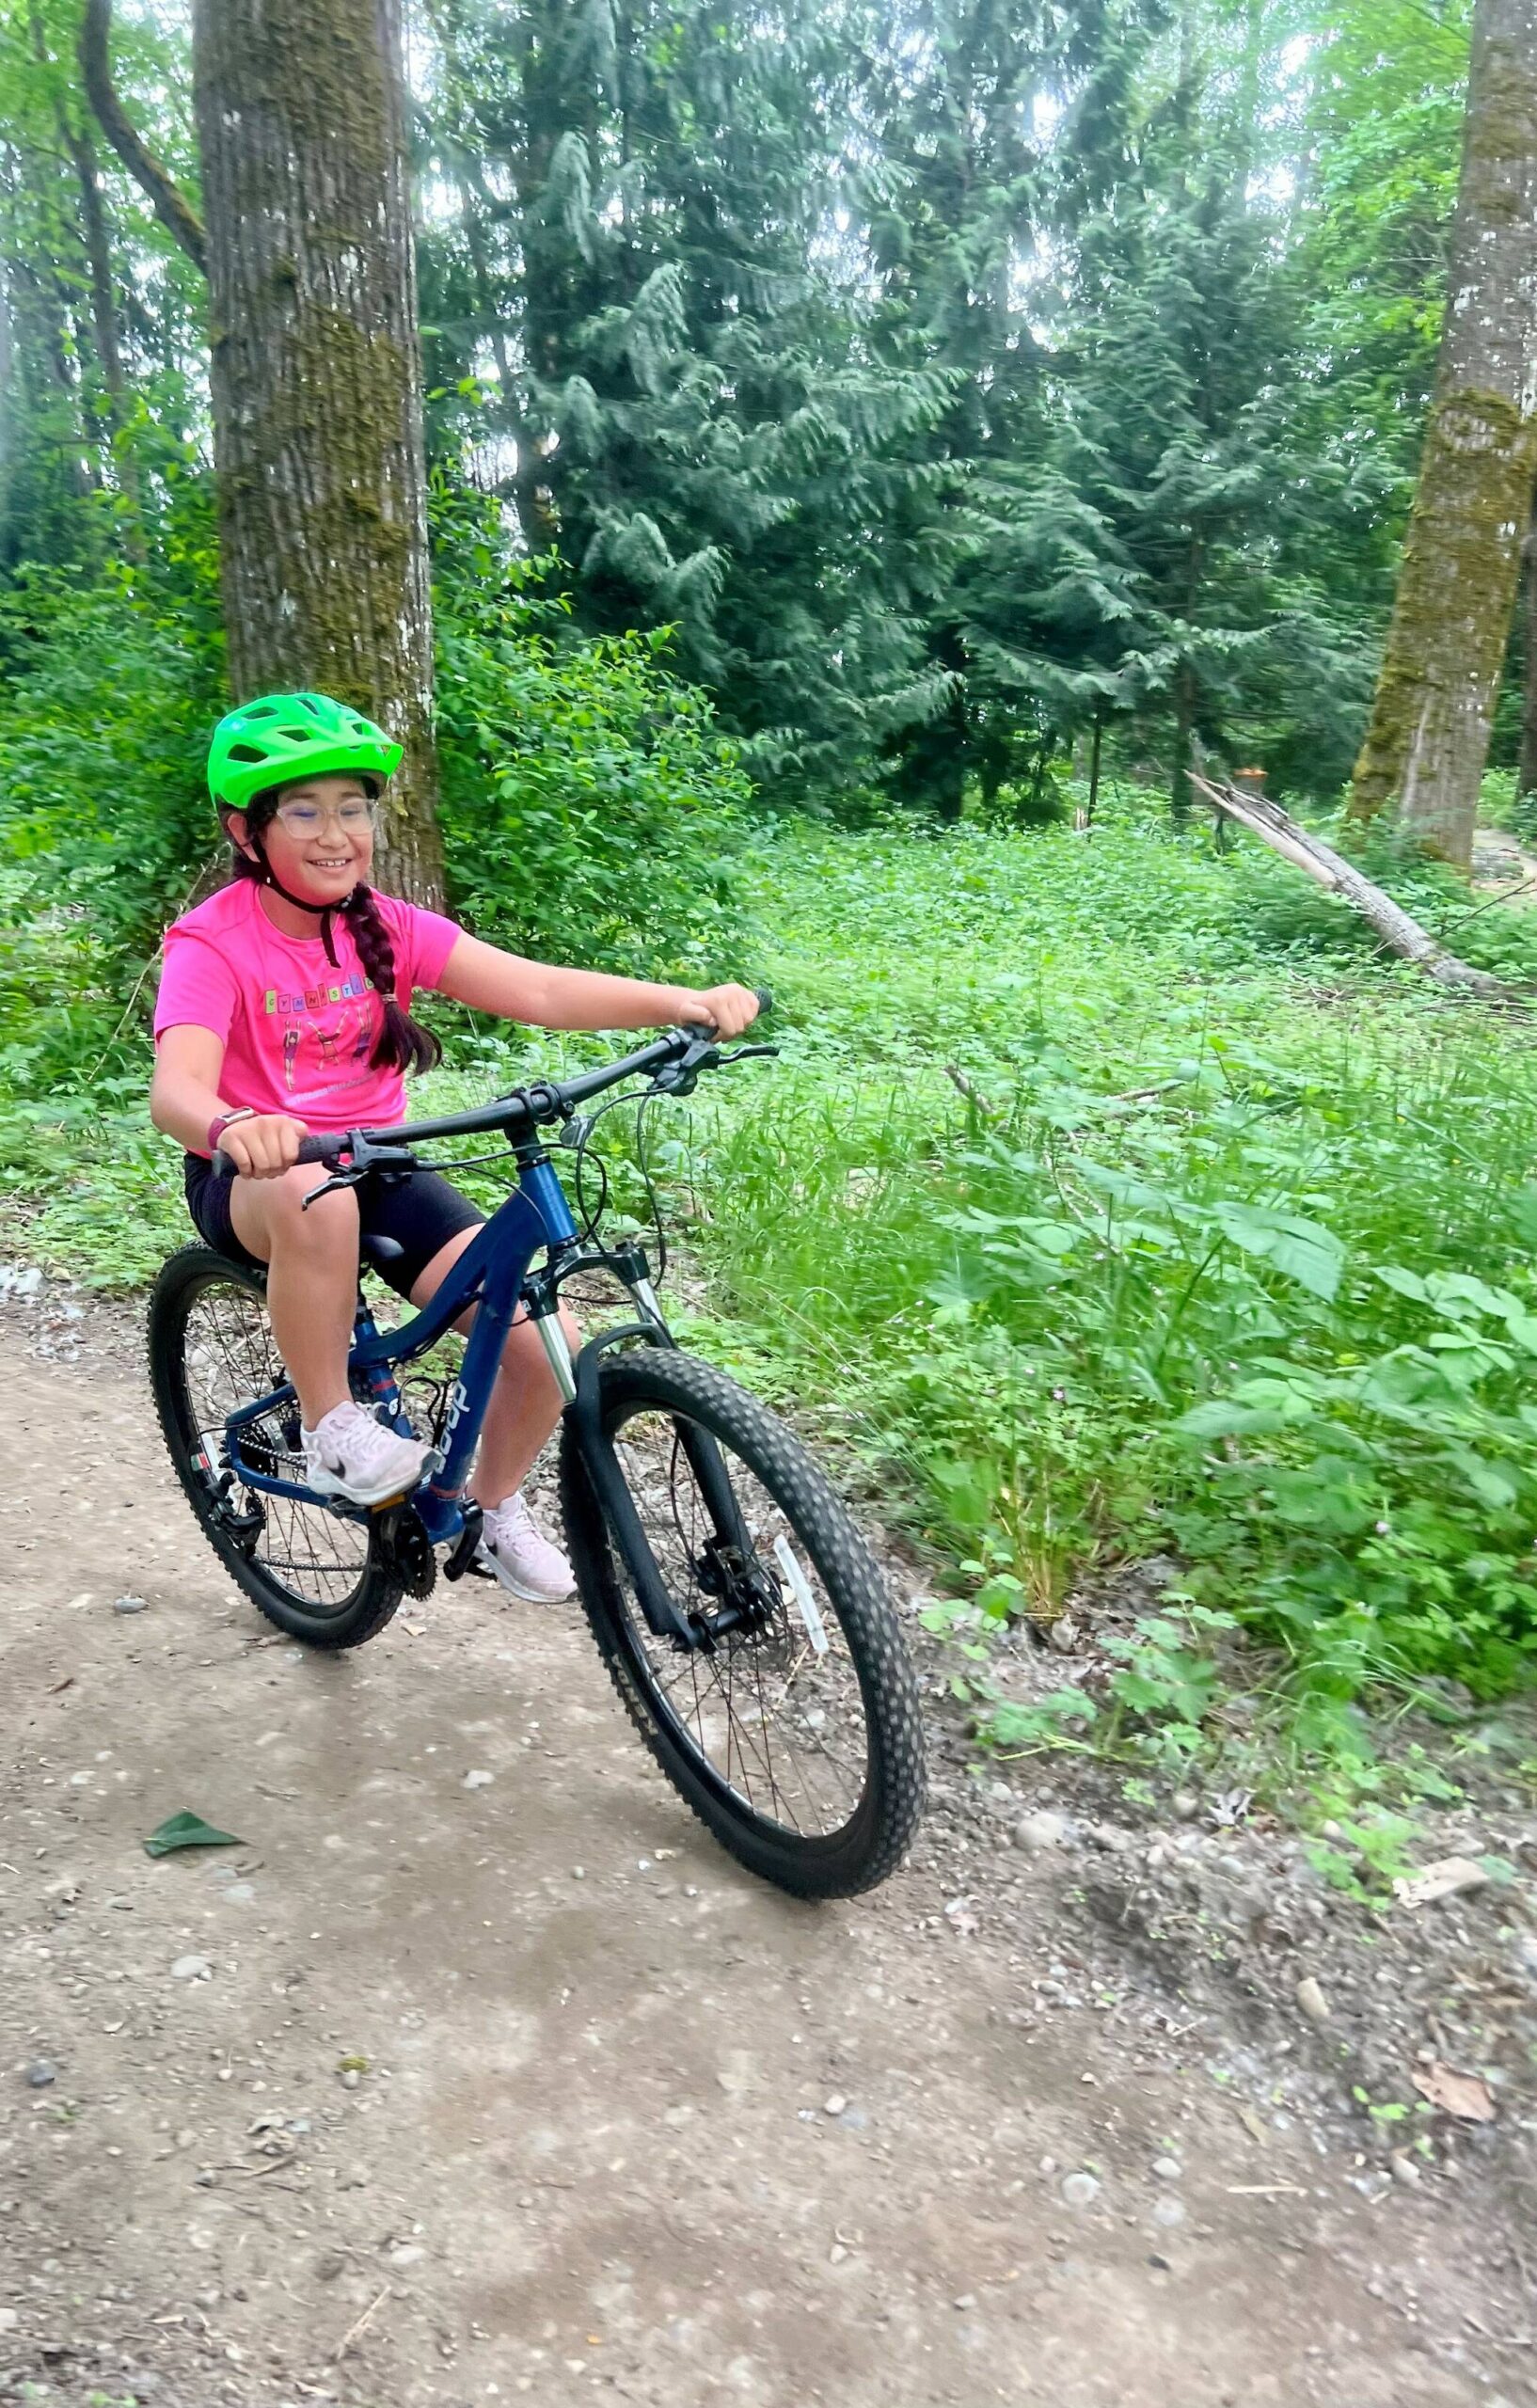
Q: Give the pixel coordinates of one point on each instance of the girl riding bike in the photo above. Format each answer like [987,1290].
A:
[284,1010]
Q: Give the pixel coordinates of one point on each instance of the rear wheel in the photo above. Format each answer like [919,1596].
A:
[315,1573]
[794,1732]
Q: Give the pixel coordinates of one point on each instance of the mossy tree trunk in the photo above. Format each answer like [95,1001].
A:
[1429,737]
[1525,776]
[316,376]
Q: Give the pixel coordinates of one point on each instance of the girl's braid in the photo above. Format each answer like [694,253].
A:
[401,1044]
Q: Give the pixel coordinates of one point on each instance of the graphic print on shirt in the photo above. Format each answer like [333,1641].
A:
[325,1029]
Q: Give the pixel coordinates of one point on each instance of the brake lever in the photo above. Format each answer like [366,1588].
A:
[339,1178]
[705,1054]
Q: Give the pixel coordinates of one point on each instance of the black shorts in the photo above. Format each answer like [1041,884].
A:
[421,1213]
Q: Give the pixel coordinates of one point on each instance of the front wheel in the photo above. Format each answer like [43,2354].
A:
[795,1732]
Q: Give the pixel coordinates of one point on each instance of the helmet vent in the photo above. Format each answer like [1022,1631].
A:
[245,752]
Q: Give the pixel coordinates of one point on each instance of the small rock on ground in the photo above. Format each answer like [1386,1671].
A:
[1311,2000]
[1043,1828]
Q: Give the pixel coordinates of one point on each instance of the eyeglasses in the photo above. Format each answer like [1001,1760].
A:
[308,818]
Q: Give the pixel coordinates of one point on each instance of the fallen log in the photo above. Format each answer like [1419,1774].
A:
[1318,860]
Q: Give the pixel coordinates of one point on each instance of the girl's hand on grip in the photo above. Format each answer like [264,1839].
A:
[265,1147]
[729,1011]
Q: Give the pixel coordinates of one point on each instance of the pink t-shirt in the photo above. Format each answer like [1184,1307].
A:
[296,1032]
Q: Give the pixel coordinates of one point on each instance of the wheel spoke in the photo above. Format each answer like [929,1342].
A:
[782,1725]
[315,1560]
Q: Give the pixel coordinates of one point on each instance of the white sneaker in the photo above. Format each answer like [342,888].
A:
[521,1557]
[350,1454]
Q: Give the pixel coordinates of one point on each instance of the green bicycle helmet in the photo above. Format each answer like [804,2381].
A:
[282,736]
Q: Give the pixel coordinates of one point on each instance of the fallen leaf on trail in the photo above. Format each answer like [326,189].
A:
[1443,1880]
[187,1829]
[1253,2127]
[1467,2095]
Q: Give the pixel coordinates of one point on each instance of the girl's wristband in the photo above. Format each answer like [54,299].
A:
[223,1120]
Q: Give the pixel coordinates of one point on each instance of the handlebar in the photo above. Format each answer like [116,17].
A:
[543,1101]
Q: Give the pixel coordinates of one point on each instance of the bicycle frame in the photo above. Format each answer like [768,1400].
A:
[494,1274]
[491,1274]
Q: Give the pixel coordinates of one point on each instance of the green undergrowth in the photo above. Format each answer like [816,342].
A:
[1105,1233]
[1105,1217]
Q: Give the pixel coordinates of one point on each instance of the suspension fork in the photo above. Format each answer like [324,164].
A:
[584,1410]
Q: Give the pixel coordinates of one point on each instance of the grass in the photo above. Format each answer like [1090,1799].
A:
[1111,1199]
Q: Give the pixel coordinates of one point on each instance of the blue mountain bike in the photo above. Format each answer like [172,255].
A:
[745,1623]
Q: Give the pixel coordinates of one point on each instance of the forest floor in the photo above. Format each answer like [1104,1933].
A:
[1048,2119]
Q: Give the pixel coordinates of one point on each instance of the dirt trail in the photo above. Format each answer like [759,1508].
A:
[629,2122]
[1502,866]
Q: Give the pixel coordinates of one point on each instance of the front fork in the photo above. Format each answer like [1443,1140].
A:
[580,1383]
[557,1346]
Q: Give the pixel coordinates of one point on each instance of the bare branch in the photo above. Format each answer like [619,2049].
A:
[169,203]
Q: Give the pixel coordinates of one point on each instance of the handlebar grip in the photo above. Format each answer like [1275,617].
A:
[765,1001]
[311,1150]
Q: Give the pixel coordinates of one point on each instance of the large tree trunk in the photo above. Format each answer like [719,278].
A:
[316,376]
[1428,737]
[1525,776]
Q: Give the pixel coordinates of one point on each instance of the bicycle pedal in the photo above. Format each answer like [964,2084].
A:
[464,1556]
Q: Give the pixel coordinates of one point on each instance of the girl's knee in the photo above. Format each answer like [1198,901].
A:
[525,1345]
[327,1221]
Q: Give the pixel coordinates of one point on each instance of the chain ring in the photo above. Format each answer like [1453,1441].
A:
[402,1546]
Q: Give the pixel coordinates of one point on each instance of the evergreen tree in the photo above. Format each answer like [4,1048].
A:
[647,266]
[999,128]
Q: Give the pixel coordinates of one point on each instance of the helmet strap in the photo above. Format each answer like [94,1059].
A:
[324,912]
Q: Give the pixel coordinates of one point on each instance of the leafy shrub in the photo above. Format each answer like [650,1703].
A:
[591,811]
[104,711]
